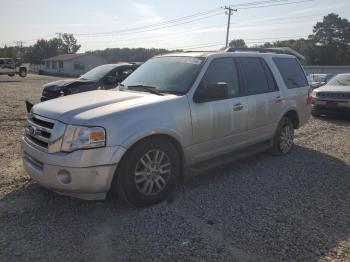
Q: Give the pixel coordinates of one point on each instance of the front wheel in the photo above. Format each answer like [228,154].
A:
[23,72]
[148,173]
[284,136]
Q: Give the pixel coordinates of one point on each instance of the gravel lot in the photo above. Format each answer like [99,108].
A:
[265,208]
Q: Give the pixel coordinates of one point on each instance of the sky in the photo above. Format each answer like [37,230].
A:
[115,23]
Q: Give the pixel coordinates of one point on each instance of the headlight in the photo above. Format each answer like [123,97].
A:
[80,137]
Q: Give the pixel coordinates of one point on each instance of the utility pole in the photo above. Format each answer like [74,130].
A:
[229,13]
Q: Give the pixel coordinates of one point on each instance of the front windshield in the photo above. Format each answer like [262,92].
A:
[97,73]
[166,74]
[340,80]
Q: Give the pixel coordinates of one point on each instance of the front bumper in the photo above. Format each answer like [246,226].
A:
[85,174]
[331,106]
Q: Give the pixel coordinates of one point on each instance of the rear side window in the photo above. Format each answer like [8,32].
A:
[291,71]
[255,78]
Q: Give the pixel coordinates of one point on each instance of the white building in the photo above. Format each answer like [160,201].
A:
[71,64]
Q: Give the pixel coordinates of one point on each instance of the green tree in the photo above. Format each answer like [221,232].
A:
[332,40]
[329,44]
[65,44]
[113,55]
[8,51]
[303,46]
[237,43]
[69,44]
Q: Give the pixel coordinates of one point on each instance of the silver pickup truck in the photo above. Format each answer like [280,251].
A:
[332,98]
[178,112]
[11,67]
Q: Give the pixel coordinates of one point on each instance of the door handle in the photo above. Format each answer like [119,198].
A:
[278,99]
[238,107]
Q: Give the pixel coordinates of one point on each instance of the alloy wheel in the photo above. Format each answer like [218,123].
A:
[286,138]
[152,172]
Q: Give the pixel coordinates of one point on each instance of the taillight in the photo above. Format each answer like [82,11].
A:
[309,97]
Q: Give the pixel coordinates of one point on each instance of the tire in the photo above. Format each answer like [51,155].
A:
[148,173]
[11,75]
[284,136]
[22,72]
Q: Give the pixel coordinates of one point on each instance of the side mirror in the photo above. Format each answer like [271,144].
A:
[111,80]
[211,92]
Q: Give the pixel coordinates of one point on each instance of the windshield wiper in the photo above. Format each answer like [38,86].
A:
[149,89]
[174,92]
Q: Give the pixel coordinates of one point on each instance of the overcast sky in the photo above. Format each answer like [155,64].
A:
[25,20]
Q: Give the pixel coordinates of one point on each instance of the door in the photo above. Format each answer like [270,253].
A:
[219,126]
[265,101]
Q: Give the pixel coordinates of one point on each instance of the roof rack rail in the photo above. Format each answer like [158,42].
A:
[277,50]
[199,51]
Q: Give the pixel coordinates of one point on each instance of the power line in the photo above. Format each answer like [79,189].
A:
[186,19]
[153,25]
[279,4]
[246,40]
[166,23]
[153,29]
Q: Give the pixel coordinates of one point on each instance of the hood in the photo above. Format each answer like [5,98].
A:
[331,88]
[93,104]
[61,84]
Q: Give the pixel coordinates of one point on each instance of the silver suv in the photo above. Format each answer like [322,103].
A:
[177,112]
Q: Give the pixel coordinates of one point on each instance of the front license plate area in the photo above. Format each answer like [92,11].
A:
[332,104]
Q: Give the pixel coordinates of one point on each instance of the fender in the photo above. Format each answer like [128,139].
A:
[141,134]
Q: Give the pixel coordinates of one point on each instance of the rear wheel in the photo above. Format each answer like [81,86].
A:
[148,173]
[23,72]
[283,139]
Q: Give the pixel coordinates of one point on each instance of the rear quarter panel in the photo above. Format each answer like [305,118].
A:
[293,99]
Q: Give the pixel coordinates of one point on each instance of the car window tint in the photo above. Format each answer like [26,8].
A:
[270,78]
[291,72]
[254,75]
[223,70]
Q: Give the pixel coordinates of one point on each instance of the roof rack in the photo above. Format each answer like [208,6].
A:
[277,50]
[199,51]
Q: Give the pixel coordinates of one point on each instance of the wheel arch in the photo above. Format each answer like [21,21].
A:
[293,115]
[174,141]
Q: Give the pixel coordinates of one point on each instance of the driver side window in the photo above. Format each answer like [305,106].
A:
[222,70]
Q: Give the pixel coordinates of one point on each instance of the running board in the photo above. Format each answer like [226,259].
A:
[230,157]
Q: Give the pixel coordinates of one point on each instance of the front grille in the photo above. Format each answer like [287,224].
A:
[44,133]
[43,123]
[333,95]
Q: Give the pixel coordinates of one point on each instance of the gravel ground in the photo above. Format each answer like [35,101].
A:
[265,208]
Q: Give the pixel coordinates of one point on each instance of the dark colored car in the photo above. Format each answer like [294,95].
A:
[102,77]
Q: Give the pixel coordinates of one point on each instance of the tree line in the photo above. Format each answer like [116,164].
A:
[329,44]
